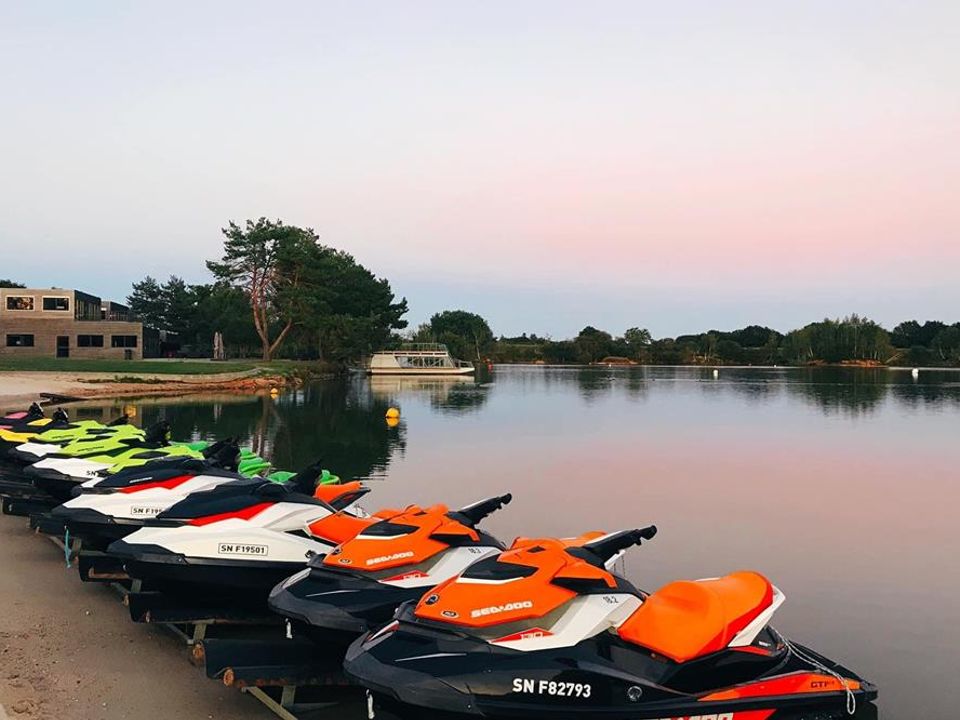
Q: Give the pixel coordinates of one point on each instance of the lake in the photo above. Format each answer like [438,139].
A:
[839,484]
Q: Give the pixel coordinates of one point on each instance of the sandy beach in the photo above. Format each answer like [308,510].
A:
[19,388]
[68,650]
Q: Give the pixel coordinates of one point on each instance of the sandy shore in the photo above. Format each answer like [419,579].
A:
[18,389]
[22,388]
[68,650]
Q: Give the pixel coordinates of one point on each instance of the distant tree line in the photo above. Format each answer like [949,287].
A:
[853,339]
[277,291]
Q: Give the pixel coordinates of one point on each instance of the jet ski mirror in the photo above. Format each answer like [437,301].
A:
[608,546]
[473,514]
[60,416]
[34,411]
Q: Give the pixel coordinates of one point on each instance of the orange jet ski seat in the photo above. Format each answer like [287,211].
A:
[687,619]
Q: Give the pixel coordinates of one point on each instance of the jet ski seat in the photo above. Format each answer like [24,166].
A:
[688,619]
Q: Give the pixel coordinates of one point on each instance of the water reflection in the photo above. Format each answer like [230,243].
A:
[340,422]
[453,395]
[843,391]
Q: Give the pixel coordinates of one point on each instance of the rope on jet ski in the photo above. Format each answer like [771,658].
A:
[817,665]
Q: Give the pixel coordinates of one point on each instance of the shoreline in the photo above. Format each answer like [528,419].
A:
[19,388]
[70,651]
[730,366]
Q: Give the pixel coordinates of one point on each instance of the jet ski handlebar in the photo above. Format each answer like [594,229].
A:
[473,514]
[306,480]
[609,545]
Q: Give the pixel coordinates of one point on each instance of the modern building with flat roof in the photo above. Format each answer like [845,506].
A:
[52,322]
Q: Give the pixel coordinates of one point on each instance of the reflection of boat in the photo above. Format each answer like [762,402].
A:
[389,385]
[417,359]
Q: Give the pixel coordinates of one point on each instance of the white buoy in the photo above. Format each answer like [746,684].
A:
[915,372]
[716,374]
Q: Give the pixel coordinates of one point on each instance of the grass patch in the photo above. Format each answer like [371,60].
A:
[123,367]
[126,368]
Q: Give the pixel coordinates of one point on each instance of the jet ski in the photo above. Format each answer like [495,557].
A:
[223,454]
[236,547]
[56,436]
[547,630]
[34,412]
[359,585]
[59,474]
[17,430]
[123,503]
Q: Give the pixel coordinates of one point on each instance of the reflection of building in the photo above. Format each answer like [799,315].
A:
[51,322]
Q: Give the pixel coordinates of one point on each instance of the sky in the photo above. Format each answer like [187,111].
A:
[678,166]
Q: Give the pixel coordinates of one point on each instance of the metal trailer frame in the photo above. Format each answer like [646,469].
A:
[257,666]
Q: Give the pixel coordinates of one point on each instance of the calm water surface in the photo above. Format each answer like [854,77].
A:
[839,485]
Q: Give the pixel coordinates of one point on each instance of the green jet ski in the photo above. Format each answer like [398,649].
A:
[59,435]
[59,473]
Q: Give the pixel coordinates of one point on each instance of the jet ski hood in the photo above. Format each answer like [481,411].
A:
[151,474]
[398,555]
[532,579]
[412,537]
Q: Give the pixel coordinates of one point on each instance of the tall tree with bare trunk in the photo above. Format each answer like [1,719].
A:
[268,261]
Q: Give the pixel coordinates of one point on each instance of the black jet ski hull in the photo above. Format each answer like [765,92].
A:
[53,482]
[240,582]
[329,606]
[425,673]
[95,529]
[21,457]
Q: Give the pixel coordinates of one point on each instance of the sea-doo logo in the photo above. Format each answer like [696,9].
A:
[144,511]
[388,558]
[242,549]
[495,609]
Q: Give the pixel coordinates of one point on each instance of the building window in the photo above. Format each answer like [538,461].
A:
[19,340]
[90,341]
[19,302]
[85,309]
[61,304]
[123,341]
